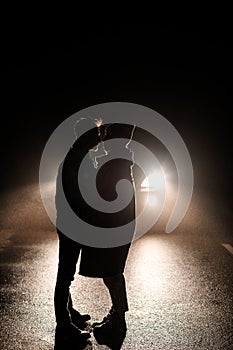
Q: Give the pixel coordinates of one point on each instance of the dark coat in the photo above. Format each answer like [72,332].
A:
[99,262]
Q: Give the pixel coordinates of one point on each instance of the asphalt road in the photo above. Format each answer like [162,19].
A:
[179,285]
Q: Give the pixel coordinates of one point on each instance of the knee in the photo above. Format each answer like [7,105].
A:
[114,280]
[64,277]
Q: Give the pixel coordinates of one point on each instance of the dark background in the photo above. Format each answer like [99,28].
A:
[184,75]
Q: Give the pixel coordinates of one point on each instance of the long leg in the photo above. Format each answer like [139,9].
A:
[117,289]
[68,256]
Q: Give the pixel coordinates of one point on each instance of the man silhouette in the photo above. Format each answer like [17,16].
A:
[106,263]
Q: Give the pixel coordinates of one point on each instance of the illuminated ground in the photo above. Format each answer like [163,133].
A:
[180,286]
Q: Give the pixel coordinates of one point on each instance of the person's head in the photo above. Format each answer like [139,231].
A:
[82,125]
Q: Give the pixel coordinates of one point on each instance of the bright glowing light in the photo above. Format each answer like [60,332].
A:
[152,200]
[153,181]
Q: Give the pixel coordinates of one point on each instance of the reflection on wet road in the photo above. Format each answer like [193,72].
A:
[179,285]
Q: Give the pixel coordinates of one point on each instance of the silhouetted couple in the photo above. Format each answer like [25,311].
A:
[105,263]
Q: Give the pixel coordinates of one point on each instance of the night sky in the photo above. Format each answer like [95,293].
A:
[185,76]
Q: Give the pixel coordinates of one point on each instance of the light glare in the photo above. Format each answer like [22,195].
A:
[153,181]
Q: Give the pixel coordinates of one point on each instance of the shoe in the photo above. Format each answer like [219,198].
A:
[78,319]
[68,336]
[104,319]
[112,332]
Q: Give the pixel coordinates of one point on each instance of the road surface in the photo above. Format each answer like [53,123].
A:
[180,285]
